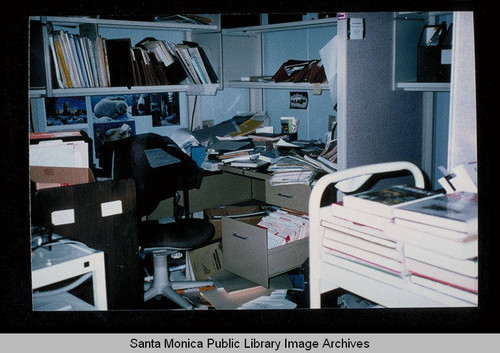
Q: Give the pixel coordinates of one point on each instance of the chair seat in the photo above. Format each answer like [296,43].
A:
[182,234]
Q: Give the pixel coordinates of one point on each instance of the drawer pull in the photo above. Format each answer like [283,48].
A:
[239,236]
[284,195]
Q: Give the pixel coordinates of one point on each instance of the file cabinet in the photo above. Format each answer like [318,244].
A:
[246,253]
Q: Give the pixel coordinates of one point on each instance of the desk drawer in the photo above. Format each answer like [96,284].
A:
[246,254]
[295,197]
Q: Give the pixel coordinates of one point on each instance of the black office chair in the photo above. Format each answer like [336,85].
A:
[160,169]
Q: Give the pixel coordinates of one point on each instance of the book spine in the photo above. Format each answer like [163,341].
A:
[364,255]
[457,249]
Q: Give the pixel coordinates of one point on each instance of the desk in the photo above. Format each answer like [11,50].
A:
[64,261]
[232,185]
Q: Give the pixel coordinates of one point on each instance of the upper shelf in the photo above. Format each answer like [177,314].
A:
[160,25]
[281,26]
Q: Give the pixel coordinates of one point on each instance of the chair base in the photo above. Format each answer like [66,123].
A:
[162,286]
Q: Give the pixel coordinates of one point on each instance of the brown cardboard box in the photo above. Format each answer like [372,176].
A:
[49,177]
[207,260]
[246,214]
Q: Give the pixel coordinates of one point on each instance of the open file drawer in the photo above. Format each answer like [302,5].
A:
[246,254]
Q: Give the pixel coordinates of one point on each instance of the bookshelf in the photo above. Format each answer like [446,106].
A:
[41,27]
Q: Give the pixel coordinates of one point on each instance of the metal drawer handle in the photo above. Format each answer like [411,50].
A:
[239,236]
[287,196]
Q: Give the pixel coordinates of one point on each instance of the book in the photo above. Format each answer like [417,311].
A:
[205,61]
[467,267]
[251,163]
[363,218]
[390,266]
[445,289]
[457,211]
[350,264]
[364,243]
[365,256]
[121,67]
[428,228]
[467,249]
[360,231]
[383,201]
[441,275]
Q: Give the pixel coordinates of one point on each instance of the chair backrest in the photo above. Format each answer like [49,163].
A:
[156,164]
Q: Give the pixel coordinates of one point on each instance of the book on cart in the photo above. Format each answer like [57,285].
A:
[383,201]
[391,250]
[467,267]
[358,217]
[435,288]
[442,275]
[466,249]
[456,211]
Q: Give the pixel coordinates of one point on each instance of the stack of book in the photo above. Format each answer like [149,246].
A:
[384,235]
[284,227]
[292,170]
[78,61]
[440,238]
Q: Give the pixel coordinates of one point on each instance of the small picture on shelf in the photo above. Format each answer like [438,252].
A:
[141,104]
[298,100]
[111,108]
[107,132]
[65,111]
[165,109]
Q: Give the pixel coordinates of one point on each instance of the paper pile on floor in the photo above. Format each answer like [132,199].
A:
[277,301]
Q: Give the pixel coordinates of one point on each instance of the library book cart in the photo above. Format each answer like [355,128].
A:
[327,273]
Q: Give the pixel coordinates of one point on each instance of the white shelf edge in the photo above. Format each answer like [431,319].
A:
[97,91]
[74,21]
[424,86]
[281,26]
[275,85]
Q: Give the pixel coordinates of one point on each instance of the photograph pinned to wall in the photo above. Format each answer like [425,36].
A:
[165,109]
[111,108]
[66,111]
[298,100]
[112,131]
[141,104]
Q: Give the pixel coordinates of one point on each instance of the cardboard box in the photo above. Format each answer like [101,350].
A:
[246,214]
[50,177]
[207,260]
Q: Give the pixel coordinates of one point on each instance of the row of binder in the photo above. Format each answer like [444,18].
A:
[77,61]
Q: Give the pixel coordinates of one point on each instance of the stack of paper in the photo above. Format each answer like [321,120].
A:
[284,227]
[291,170]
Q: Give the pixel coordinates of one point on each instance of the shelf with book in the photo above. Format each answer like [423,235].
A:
[78,60]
